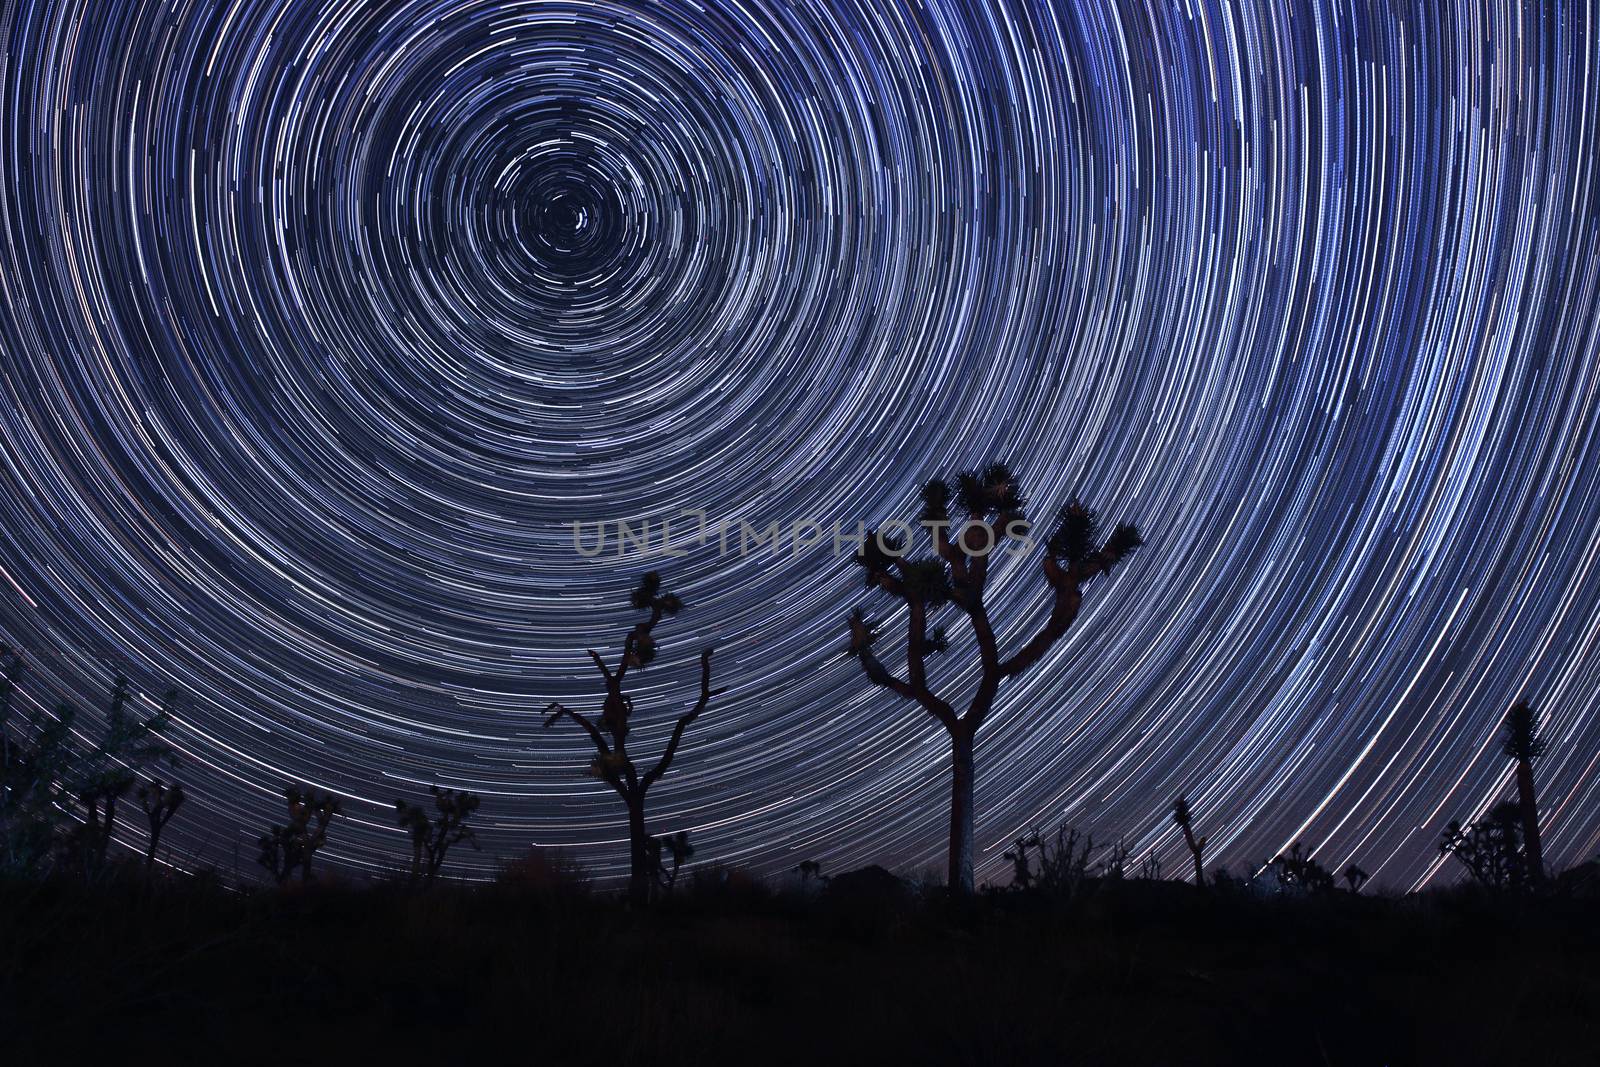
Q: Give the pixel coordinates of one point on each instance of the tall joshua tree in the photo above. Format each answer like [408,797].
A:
[1182,816]
[432,838]
[958,575]
[1522,743]
[612,763]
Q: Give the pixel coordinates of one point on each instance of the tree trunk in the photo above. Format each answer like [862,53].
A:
[638,855]
[1530,820]
[1194,851]
[960,879]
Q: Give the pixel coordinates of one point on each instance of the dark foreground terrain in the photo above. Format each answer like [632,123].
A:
[1125,972]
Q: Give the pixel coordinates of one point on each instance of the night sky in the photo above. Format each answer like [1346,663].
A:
[324,321]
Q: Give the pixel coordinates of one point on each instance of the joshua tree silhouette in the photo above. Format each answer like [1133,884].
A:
[1491,849]
[295,843]
[810,871]
[37,763]
[108,771]
[431,838]
[1297,872]
[612,763]
[1522,743]
[1355,878]
[958,574]
[676,846]
[1182,816]
[160,803]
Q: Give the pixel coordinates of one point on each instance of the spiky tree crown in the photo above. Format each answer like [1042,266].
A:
[1076,537]
[647,596]
[1077,532]
[993,491]
[862,632]
[1180,811]
[878,553]
[1520,739]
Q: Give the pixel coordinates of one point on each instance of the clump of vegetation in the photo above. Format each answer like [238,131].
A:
[1355,878]
[1296,872]
[1058,866]
[810,872]
[548,871]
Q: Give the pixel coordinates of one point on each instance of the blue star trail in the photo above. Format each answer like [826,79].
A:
[323,322]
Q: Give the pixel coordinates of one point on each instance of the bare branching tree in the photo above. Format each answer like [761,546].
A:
[613,764]
[958,575]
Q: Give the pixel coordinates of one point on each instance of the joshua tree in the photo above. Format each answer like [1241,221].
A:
[160,803]
[35,756]
[295,843]
[432,838]
[1021,861]
[1355,878]
[45,777]
[108,771]
[1522,743]
[1181,816]
[676,846]
[1491,849]
[958,574]
[1297,872]
[612,763]
[810,871]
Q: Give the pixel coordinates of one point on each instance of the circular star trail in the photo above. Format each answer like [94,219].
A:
[324,321]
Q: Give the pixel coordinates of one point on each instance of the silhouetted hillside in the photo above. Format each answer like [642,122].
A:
[728,971]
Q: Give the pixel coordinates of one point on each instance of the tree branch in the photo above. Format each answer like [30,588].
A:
[706,693]
[557,710]
[600,663]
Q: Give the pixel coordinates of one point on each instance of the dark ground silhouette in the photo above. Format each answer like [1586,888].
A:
[865,970]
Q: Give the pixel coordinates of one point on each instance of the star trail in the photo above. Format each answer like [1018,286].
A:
[323,322]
